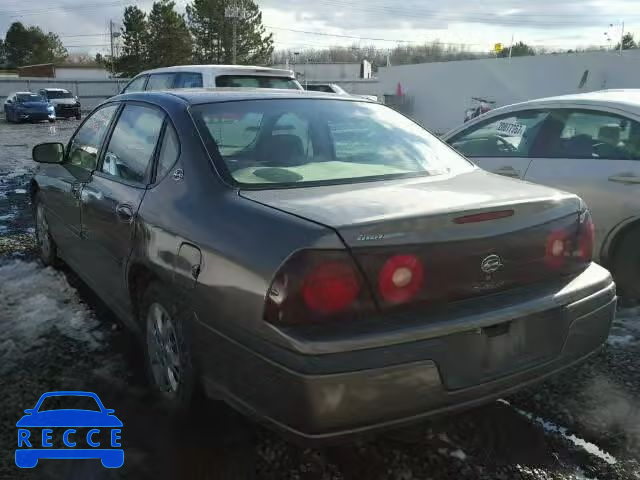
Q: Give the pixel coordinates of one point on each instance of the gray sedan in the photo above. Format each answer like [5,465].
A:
[319,262]
[588,144]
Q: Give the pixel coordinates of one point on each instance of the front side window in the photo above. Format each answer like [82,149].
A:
[319,88]
[85,145]
[510,135]
[188,80]
[300,141]
[133,143]
[591,135]
[161,81]
[136,85]
[256,81]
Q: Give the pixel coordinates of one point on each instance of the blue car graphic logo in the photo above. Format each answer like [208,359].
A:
[43,431]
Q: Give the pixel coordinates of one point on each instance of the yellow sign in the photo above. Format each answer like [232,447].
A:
[497,47]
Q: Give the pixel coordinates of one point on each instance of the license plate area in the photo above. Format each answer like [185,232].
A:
[478,356]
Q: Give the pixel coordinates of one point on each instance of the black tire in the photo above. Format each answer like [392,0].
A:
[78,117]
[47,248]
[172,359]
[52,120]
[626,265]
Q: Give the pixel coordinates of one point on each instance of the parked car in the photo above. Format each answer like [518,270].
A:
[212,76]
[318,261]
[27,106]
[65,103]
[333,88]
[588,144]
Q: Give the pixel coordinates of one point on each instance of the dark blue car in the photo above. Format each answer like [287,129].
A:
[27,106]
[52,412]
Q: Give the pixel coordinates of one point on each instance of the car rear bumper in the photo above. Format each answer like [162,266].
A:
[466,367]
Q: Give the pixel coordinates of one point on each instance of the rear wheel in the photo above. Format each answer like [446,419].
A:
[46,246]
[626,265]
[167,352]
[78,116]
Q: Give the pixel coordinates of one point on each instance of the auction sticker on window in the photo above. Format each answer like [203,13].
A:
[515,129]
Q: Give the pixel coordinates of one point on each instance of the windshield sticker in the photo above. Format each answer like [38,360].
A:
[515,129]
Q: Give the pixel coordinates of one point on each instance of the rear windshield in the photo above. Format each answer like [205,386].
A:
[302,141]
[256,81]
[29,97]
[56,94]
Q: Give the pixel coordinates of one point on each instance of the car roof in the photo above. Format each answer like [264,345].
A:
[628,98]
[55,89]
[224,70]
[198,96]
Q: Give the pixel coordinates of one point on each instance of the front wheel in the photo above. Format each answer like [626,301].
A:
[78,116]
[52,120]
[46,245]
[168,354]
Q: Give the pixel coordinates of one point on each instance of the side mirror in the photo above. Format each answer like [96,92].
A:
[48,152]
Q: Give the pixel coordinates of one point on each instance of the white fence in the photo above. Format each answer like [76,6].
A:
[89,92]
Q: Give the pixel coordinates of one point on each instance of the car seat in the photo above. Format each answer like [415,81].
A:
[283,150]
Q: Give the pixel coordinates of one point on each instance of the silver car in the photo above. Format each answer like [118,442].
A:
[588,144]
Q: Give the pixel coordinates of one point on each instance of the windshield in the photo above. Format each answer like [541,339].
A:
[66,402]
[29,97]
[301,141]
[58,94]
[257,81]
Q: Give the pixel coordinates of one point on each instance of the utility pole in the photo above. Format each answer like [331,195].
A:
[111,43]
[621,37]
[234,12]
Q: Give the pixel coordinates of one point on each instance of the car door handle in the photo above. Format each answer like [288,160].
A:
[624,178]
[124,213]
[508,172]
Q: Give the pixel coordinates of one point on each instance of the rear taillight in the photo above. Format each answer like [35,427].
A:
[569,246]
[400,278]
[317,286]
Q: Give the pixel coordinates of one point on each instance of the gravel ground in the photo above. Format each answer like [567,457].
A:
[583,424]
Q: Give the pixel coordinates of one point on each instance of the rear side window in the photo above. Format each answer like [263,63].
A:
[591,135]
[133,143]
[510,135]
[160,81]
[136,85]
[168,152]
[256,81]
[319,88]
[83,149]
[188,80]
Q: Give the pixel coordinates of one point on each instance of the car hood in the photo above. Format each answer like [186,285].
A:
[69,418]
[392,208]
[34,105]
[63,101]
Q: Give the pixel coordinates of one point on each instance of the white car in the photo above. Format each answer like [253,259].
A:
[333,88]
[212,76]
[588,144]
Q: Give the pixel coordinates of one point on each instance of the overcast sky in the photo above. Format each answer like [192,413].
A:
[83,24]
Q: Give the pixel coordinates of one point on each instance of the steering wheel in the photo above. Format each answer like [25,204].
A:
[505,146]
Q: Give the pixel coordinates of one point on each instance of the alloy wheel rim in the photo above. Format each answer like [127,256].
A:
[43,232]
[164,349]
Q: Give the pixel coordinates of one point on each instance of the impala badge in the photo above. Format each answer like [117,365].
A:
[491,264]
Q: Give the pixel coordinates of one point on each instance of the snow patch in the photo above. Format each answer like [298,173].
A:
[33,302]
[551,427]
[19,190]
[626,327]
[459,454]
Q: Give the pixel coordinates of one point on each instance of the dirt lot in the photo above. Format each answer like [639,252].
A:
[584,424]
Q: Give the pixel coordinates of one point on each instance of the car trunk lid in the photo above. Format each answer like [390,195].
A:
[473,234]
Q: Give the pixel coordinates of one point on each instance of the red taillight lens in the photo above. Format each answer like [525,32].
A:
[586,238]
[558,248]
[317,286]
[330,287]
[400,278]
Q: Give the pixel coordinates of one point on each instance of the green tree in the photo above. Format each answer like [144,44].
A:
[213,33]
[627,42]
[519,49]
[28,46]
[169,39]
[3,57]
[135,38]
